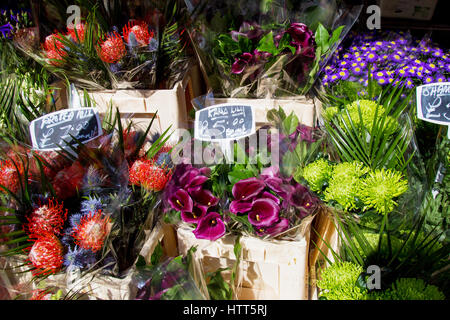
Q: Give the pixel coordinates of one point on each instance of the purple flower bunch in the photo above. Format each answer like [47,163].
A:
[263,199]
[394,58]
[296,40]
[187,194]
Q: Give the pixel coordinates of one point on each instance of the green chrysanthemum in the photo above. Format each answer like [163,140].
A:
[381,187]
[345,184]
[317,173]
[337,282]
[409,289]
[368,110]
[330,112]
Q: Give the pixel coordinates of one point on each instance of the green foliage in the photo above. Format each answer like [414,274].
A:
[337,282]
[409,289]
[218,288]
[368,131]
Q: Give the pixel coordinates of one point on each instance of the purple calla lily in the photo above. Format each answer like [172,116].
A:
[270,196]
[192,178]
[249,30]
[181,201]
[240,63]
[278,228]
[203,197]
[198,212]
[302,39]
[210,227]
[264,213]
[247,189]
[237,206]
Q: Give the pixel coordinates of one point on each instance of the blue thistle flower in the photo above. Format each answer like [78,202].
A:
[67,239]
[79,258]
[91,204]
[153,45]
[164,161]
[75,219]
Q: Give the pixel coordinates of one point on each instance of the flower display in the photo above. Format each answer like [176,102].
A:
[137,33]
[9,176]
[148,174]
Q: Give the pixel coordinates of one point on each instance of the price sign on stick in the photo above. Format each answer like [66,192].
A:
[433,103]
[224,123]
[58,129]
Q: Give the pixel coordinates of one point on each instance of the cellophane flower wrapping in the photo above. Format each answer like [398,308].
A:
[266,50]
[145,52]
[171,278]
[85,210]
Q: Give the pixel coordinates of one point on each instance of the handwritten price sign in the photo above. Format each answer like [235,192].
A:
[58,129]
[224,122]
[433,102]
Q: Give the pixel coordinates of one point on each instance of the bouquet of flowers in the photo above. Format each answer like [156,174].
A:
[144,53]
[268,53]
[85,212]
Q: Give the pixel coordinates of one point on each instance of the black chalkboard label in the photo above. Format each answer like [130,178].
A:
[55,130]
[224,122]
[433,102]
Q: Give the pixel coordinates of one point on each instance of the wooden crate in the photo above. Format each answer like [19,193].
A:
[268,270]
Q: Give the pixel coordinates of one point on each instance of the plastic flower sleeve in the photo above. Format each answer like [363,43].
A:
[247,53]
[178,278]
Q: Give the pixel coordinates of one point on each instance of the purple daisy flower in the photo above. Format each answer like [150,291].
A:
[409,83]
[440,78]
[371,57]
[428,79]
[343,74]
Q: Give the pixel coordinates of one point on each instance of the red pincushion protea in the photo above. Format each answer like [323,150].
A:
[78,30]
[9,176]
[92,231]
[112,49]
[53,43]
[140,31]
[46,254]
[48,218]
[147,174]
[68,181]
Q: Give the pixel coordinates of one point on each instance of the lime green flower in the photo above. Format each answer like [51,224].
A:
[330,112]
[368,110]
[381,187]
[317,173]
[337,282]
[345,184]
[409,289]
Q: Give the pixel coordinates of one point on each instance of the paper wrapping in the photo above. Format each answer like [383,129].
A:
[323,235]
[304,108]
[141,105]
[268,270]
[92,286]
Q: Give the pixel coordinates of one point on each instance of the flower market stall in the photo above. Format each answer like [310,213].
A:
[221,150]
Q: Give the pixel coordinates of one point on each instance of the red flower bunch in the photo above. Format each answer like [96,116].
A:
[54,49]
[68,181]
[112,49]
[10,173]
[78,30]
[46,254]
[149,175]
[92,231]
[48,218]
[140,32]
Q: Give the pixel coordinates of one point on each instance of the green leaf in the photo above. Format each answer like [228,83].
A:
[218,288]
[335,36]
[322,37]
[267,44]
[242,220]
[290,124]
[157,254]
[140,262]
